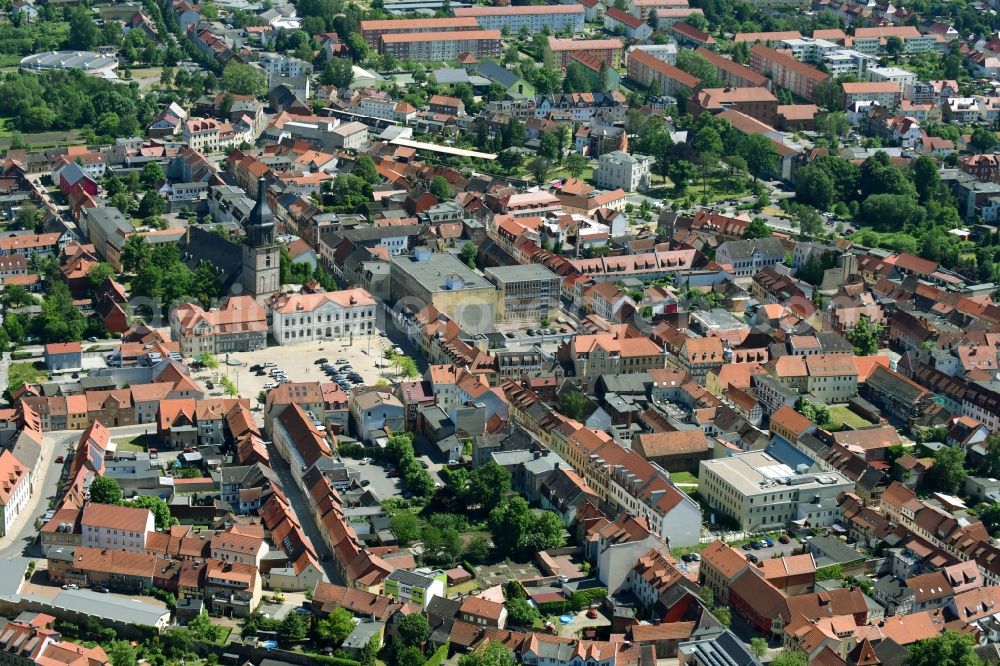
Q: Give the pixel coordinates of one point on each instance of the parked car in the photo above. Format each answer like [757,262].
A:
[592,613]
[366,461]
[101,589]
[747,546]
[752,558]
[691,557]
[60,459]
[321,361]
[365,482]
[784,539]
[71,586]
[768,541]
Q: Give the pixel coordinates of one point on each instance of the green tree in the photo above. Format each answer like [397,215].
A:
[406,527]
[948,473]
[539,168]
[982,139]
[413,630]
[521,613]
[758,646]
[410,656]
[208,360]
[292,629]
[699,66]
[83,31]
[760,154]
[477,550]
[757,229]
[60,319]
[152,175]
[494,653]
[789,658]
[440,188]
[990,515]
[158,506]
[948,649]
[105,490]
[469,253]
[151,204]
[865,337]
[98,273]
[926,177]
[121,653]
[510,159]
[488,485]
[369,653]
[364,168]
[241,79]
[572,404]
[894,47]
[202,628]
[16,296]
[29,216]
[576,164]
[548,146]
[991,461]
[335,627]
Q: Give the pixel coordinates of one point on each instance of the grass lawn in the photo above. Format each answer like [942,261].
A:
[137,443]
[25,372]
[464,588]
[841,414]
[683,477]
[683,550]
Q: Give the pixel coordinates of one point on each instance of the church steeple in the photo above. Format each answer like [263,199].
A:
[260,223]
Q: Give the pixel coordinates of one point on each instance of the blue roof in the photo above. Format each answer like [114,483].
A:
[782,450]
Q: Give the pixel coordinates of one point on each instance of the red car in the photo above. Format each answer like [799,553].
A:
[783,539]
[60,459]
[592,614]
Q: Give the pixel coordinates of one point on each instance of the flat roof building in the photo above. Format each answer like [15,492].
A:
[93,64]
[442,280]
[760,492]
[528,292]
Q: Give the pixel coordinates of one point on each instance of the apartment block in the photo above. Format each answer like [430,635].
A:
[873,40]
[608,51]
[436,46]
[885,93]
[533,18]
[733,74]
[645,67]
[786,71]
[373,30]
[759,103]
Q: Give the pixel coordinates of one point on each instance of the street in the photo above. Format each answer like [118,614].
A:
[15,546]
[304,514]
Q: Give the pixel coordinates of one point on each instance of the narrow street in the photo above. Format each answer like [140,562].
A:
[301,506]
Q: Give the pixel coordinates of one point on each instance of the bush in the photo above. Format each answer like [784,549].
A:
[585,598]
[20,355]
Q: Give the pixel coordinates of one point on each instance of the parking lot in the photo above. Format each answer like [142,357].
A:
[777,550]
[376,473]
[298,362]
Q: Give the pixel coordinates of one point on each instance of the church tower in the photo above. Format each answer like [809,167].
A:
[261,276]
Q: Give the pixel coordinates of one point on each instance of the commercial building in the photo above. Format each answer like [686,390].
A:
[238,326]
[442,280]
[373,30]
[618,169]
[533,18]
[329,314]
[759,492]
[439,46]
[608,51]
[528,292]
